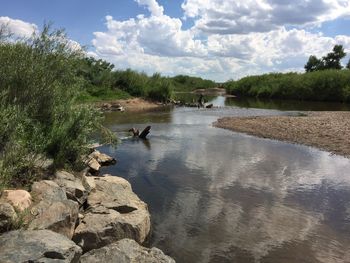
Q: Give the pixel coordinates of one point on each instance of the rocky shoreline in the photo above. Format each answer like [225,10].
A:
[76,217]
[325,130]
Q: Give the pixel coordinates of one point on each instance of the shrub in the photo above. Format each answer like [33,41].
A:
[326,85]
[39,115]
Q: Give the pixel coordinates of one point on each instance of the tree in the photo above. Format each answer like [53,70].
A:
[313,64]
[332,60]
[348,65]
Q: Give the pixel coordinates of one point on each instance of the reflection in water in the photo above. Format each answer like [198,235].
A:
[219,196]
[287,104]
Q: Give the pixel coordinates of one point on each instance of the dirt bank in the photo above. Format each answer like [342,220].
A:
[133,105]
[328,131]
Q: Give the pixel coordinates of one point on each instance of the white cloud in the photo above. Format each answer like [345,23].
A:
[152,6]
[18,27]
[241,17]
[158,43]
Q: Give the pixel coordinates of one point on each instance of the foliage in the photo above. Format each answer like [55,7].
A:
[330,61]
[188,83]
[326,85]
[38,111]
[102,83]
[313,64]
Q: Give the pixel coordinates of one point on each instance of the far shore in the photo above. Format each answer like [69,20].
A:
[132,105]
[326,130]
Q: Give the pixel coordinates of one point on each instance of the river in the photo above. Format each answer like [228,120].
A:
[220,196]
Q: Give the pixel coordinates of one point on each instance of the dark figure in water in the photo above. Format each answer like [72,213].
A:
[143,134]
[201,101]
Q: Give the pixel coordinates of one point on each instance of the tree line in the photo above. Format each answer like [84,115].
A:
[331,61]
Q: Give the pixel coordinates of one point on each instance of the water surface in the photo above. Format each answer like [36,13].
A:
[219,196]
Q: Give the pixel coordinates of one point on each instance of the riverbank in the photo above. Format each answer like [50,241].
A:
[327,131]
[90,217]
[131,105]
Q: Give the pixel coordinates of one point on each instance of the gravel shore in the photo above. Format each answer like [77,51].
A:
[328,131]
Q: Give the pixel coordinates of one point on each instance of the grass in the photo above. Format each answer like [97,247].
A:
[98,94]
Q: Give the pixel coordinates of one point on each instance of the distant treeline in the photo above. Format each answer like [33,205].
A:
[105,83]
[324,80]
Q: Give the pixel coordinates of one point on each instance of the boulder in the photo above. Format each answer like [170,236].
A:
[53,210]
[20,199]
[114,213]
[102,158]
[7,217]
[93,165]
[73,186]
[37,246]
[126,251]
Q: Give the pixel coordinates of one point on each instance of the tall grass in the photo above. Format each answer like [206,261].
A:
[38,111]
[326,85]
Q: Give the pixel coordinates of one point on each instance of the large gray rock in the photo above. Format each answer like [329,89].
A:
[53,210]
[115,212]
[7,216]
[37,246]
[73,185]
[126,251]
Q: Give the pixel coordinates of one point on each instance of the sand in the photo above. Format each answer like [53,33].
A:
[133,105]
[327,131]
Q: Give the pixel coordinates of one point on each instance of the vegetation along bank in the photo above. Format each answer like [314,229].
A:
[324,80]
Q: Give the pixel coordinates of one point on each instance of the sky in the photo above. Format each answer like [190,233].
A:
[214,39]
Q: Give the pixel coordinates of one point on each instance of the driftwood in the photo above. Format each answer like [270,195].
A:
[141,135]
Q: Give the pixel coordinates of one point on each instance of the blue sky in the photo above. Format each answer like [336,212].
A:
[216,39]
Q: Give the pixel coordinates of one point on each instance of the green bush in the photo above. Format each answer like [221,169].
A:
[326,85]
[159,89]
[187,83]
[39,114]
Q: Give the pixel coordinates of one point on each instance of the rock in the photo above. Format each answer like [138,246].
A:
[126,251]
[47,190]
[89,183]
[37,246]
[43,162]
[20,199]
[73,186]
[117,107]
[102,158]
[114,213]
[54,211]
[7,217]
[93,164]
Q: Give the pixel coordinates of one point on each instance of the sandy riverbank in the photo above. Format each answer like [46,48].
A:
[133,105]
[328,131]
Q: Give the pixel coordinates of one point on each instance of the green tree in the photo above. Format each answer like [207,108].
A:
[332,60]
[313,64]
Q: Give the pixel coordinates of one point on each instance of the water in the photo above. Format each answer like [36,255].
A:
[219,196]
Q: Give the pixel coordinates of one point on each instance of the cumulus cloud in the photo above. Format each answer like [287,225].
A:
[18,27]
[241,17]
[152,6]
[158,42]
[228,39]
